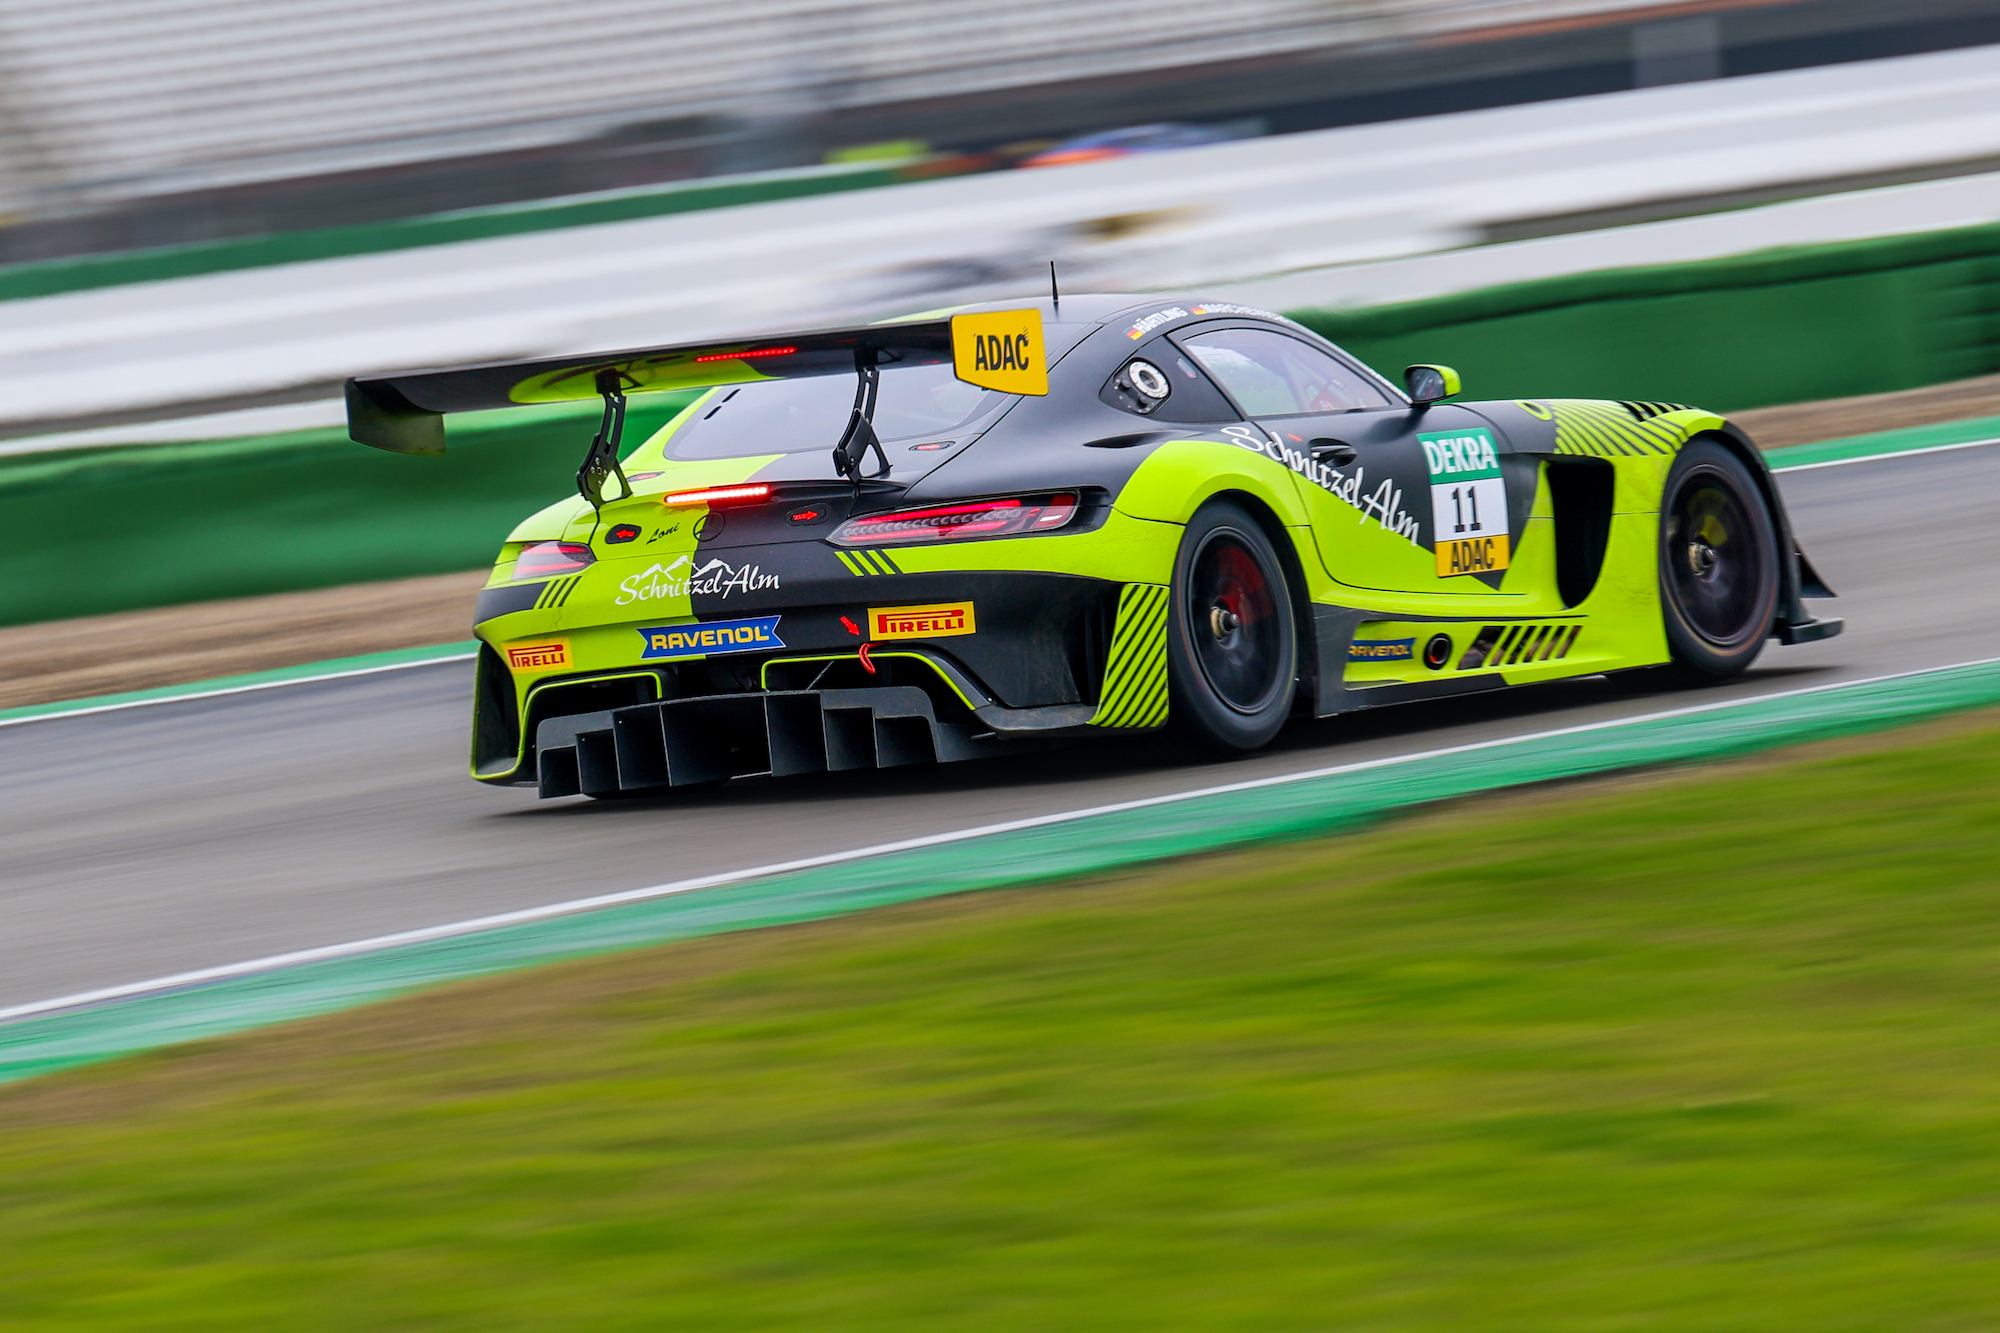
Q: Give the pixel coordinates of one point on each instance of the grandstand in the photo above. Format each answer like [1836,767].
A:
[130,123]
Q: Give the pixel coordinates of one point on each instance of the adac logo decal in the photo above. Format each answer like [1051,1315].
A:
[1001,349]
[1381,650]
[1468,502]
[710,640]
[939,621]
[681,577]
[548,655]
[1384,504]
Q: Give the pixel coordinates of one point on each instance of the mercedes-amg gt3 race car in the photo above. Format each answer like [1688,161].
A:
[953,535]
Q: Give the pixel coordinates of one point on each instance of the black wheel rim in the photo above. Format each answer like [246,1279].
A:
[1715,564]
[1233,620]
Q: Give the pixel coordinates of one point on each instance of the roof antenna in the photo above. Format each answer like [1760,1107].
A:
[1055,296]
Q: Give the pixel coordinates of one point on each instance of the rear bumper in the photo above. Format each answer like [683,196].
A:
[1033,661]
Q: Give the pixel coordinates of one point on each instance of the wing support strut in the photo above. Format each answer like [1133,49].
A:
[601,463]
[860,436]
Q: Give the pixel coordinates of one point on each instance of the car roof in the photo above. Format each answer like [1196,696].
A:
[1106,307]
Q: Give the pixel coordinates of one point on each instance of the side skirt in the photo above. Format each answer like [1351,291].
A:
[1485,651]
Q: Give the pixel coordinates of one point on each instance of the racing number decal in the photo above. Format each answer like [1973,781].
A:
[1468,502]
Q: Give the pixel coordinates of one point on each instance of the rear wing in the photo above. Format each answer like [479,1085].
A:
[404,412]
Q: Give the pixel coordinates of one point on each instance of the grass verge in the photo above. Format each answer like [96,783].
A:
[1710,1049]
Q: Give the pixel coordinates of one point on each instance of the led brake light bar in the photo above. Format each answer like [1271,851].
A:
[709,495]
[745,356]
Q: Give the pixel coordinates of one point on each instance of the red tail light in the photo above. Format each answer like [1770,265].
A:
[714,495]
[545,558]
[1010,517]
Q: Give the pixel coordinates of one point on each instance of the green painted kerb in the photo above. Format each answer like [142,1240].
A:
[1884,444]
[1088,844]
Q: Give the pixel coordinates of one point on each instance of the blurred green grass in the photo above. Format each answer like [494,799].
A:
[1712,1049]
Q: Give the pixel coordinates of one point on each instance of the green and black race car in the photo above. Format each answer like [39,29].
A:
[953,535]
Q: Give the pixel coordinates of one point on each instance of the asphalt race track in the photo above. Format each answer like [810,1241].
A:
[156,840]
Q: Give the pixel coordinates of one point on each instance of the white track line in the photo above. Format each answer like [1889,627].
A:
[1893,453]
[573,906]
[238,689]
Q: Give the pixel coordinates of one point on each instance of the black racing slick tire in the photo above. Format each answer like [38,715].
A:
[1718,563]
[1232,642]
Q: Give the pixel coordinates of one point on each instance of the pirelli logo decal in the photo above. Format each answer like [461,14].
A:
[547,655]
[940,621]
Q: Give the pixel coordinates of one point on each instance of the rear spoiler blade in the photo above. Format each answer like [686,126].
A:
[404,412]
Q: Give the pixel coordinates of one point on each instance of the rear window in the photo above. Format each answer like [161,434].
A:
[800,415]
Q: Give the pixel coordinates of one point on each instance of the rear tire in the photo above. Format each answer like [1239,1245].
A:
[1232,643]
[1718,563]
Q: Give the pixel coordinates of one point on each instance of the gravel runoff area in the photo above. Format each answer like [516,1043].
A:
[94,655]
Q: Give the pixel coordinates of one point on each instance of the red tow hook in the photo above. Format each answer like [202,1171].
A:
[867,665]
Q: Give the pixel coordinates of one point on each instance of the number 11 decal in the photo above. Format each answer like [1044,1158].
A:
[1471,494]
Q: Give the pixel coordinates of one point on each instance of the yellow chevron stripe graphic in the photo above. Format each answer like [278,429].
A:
[1610,431]
[1135,675]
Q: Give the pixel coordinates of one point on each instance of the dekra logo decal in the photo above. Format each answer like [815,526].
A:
[710,640]
[1469,454]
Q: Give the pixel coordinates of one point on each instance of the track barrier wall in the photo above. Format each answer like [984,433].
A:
[117,528]
[92,531]
[1779,326]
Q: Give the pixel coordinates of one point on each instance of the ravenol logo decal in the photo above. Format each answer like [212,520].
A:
[710,640]
[939,621]
[547,655]
[1381,650]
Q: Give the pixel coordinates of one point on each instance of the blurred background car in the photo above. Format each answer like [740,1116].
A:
[1135,139]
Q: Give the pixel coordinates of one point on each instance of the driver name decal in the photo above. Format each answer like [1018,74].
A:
[1468,502]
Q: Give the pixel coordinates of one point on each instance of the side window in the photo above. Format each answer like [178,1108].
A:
[1160,381]
[1271,375]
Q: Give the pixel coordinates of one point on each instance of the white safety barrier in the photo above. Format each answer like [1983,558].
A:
[1317,207]
[104,100]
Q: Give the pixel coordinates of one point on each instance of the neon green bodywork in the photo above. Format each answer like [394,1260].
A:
[1339,551]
